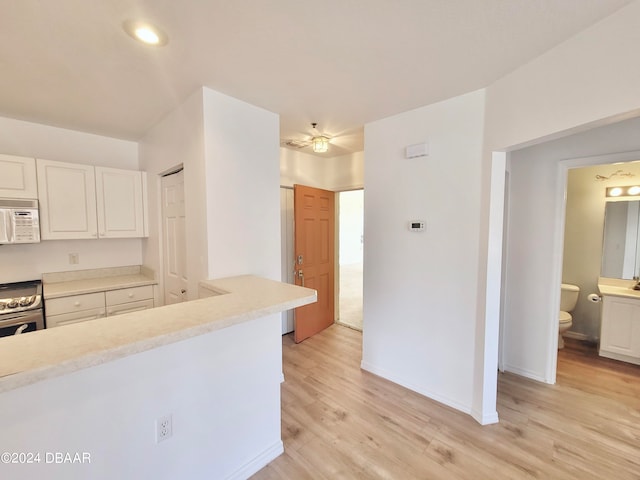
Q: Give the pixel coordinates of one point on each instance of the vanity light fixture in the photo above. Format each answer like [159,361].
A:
[630,191]
[145,32]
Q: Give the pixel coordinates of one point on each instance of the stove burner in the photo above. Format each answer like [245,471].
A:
[21,296]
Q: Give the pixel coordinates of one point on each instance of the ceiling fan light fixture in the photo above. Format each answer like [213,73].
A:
[320,144]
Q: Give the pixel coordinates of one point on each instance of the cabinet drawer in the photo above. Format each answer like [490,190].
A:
[129,307]
[74,303]
[75,317]
[126,295]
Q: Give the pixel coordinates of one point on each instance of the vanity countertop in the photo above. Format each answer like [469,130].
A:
[37,356]
[618,288]
[64,284]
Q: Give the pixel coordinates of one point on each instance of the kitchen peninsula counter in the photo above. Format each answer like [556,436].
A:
[33,357]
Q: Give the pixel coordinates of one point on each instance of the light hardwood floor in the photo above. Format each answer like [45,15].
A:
[339,422]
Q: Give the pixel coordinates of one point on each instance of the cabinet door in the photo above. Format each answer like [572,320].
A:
[75,317]
[129,307]
[126,295]
[18,177]
[75,303]
[620,332]
[67,200]
[120,203]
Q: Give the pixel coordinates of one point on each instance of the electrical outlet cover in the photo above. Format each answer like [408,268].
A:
[164,428]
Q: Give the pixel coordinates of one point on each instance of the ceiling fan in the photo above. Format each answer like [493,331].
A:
[318,141]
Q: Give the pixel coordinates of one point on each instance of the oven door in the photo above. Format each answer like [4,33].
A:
[14,323]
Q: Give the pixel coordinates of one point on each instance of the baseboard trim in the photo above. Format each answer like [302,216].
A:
[259,462]
[577,336]
[348,326]
[483,419]
[422,391]
[525,373]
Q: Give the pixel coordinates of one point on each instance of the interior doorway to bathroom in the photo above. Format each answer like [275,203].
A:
[350,258]
[600,238]
[536,239]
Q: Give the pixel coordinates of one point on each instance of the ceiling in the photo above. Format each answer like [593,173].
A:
[340,63]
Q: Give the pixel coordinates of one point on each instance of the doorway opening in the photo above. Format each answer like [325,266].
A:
[600,244]
[350,223]
[350,258]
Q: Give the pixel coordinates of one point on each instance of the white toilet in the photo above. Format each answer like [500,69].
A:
[568,299]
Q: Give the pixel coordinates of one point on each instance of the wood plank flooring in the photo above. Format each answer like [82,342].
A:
[339,422]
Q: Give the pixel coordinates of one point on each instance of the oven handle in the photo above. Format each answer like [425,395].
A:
[19,318]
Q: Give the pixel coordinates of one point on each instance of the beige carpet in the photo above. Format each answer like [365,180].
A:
[350,308]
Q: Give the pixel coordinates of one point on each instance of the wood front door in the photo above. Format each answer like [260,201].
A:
[314,246]
[174,244]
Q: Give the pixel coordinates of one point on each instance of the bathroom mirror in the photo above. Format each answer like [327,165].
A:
[620,257]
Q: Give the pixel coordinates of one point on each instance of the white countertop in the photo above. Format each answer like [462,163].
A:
[36,356]
[618,291]
[78,287]
[64,284]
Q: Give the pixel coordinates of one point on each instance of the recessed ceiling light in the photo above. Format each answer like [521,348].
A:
[145,32]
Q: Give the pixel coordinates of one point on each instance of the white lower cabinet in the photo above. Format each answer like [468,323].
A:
[127,300]
[90,306]
[75,317]
[620,329]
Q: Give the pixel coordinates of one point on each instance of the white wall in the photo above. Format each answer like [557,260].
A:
[242,186]
[27,262]
[351,225]
[589,80]
[345,172]
[178,140]
[301,168]
[226,421]
[420,288]
[230,154]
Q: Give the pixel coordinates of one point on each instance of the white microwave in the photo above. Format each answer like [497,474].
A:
[19,221]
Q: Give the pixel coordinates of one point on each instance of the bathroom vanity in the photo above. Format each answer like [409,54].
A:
[620,327]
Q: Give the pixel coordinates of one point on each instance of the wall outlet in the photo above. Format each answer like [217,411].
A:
[164,428]
[74,258]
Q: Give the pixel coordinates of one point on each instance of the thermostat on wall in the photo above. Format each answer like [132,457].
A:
[416,226]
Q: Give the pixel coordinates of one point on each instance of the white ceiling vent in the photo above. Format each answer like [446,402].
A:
[296,143]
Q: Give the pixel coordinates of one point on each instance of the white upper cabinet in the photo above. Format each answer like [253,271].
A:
[120,203]
[18,177]
[67,194]
[82,201]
